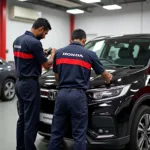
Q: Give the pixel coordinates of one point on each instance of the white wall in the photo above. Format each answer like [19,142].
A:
[133,18]
[57,37]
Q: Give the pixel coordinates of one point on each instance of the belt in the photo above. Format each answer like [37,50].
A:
[73,89]
[26,78]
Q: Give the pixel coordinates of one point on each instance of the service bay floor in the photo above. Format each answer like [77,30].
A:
[8,118]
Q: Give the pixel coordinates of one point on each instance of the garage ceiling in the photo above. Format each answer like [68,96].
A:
[69,4]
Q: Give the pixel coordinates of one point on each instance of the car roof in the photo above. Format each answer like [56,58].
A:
[122,36]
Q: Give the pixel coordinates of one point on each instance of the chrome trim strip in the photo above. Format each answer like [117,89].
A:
[50,76]
[45,90]
[44,96]
[105,136]
[50,80]
[43,133]
[48,83]
[98,137]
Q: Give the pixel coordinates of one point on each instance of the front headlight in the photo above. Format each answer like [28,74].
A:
[105,94]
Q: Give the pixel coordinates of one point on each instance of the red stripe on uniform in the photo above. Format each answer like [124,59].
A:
[73,62]
[23,55]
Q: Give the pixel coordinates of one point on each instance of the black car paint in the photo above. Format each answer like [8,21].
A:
[115,114]
[7,71]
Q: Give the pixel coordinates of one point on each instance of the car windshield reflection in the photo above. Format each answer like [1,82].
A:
[121,51]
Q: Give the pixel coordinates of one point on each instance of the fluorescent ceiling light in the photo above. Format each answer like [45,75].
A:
[65,3]
[90,1]
[75,11]
[112,7]
[22,0]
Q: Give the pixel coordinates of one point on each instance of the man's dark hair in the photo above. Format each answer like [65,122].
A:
[78,34]
[42,22]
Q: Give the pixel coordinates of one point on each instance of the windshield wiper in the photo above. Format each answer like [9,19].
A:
[119,65]
[115,65]
[107,60]
[126,66]
[134,66]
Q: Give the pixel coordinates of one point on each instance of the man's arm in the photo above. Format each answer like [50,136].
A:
[57,77]
[99,69]
[49,62]
[38,53]
[55,68]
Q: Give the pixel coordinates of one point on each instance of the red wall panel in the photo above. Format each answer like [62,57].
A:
[72,24]
[3,29]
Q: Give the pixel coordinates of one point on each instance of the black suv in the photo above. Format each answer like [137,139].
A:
[119,114]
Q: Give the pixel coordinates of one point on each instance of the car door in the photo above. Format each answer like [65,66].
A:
[2,66]
[2,70]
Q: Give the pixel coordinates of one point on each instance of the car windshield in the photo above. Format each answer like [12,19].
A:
[121,51]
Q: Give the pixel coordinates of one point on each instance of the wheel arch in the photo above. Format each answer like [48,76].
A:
[9,77]
[143,100]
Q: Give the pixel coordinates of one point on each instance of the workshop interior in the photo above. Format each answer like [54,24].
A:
[117,38]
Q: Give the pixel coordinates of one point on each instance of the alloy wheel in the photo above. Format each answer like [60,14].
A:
[143,133]
[9,90]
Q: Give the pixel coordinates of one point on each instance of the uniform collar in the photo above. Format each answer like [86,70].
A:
[76,43]
[30,33]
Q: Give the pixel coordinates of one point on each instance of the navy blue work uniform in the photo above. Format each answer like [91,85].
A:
[73,65]
[29,57]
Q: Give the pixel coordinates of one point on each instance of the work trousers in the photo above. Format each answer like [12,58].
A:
[28,93]
[73,103]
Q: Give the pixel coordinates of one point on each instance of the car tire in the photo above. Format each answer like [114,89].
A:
[140,130]
[8,90]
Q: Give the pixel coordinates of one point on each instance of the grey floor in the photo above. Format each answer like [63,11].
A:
[8,119]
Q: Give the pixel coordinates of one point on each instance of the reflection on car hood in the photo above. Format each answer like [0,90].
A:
[121,76]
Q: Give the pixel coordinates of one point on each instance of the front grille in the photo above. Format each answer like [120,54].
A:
[45,128]
[47,101]
[47,106]
[50,94]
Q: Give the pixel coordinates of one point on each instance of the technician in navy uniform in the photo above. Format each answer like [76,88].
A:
[29,59]
[72,67]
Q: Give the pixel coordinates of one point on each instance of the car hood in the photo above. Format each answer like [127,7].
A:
[121,76]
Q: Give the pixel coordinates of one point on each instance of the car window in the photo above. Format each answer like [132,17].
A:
[143,54]
[136,50]
[122,51]
[114,51]
[96,46]
[113,54]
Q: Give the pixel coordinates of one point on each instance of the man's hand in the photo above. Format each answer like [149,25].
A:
[107,77]
[49,62]
[52,55]
[52,52]
[45,52]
